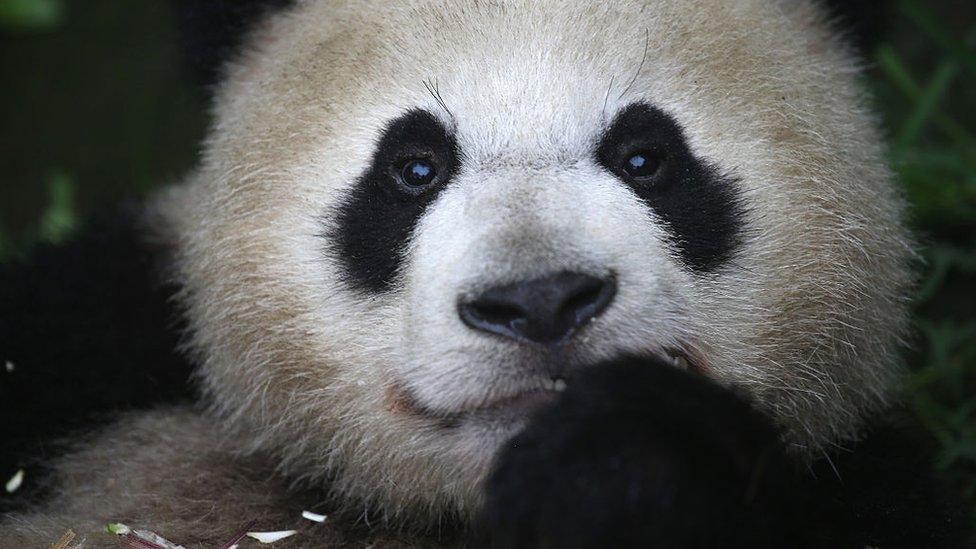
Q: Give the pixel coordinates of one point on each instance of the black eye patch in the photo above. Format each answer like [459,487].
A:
[647,150]
[374,224]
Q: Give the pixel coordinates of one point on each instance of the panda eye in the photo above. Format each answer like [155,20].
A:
[417,173]
[641,164]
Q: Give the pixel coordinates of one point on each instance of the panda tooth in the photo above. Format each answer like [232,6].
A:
[558,385]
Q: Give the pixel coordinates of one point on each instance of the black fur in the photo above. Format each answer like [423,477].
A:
[638,453]
[884,492]
[89,330]
[213,29]
[373,226]
[700,206]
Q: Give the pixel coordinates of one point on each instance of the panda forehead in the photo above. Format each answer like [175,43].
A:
[544,130]
[513,75]
[525,112]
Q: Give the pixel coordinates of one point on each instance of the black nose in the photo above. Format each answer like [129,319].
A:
[543,310]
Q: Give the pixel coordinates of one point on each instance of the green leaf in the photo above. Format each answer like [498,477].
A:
[31,14]
[60,218]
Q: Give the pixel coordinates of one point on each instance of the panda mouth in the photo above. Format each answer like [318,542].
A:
[521,404]
[517,405]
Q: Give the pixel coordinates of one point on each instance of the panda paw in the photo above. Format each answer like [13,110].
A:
[638,452]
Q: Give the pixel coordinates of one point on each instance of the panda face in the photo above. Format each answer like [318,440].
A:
[413,222]
[511,268]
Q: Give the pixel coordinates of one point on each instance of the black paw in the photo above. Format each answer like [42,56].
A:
[637,452]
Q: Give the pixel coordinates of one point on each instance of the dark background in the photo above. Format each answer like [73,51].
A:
[96,107]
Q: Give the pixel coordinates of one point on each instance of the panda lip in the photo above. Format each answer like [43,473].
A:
[518,404]
[528,397]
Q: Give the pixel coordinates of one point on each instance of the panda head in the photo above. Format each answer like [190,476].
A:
[413,221]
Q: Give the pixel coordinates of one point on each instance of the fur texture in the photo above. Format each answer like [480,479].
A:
[671,460]
[167,471]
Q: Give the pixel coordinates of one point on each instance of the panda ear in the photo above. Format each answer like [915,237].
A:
[864,21]
[212,31]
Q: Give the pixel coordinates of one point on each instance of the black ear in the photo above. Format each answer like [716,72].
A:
[212,31]
[865,21]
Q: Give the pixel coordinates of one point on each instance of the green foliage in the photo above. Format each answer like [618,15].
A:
[926,91]
[56,222]
[60,218]
[31,14]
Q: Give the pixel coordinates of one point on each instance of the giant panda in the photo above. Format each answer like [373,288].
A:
[513,273]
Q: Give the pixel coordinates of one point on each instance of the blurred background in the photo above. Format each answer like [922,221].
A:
[97,108]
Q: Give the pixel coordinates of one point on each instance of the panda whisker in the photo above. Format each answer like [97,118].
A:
[606,98]
[647,45]
[434,90]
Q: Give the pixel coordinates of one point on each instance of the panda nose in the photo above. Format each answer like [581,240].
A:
[546,310]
